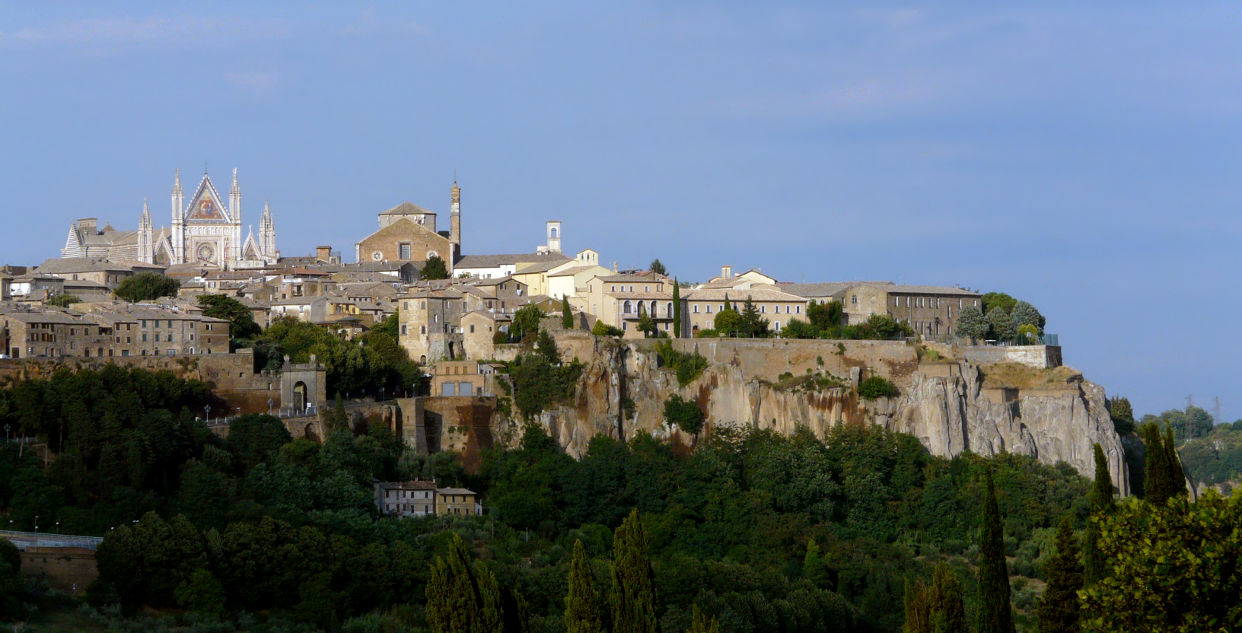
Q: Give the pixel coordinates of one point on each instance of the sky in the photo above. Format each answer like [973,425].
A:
[1085,157]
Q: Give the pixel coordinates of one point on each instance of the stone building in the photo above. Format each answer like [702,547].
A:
[702,305]
[619,300]
[452,501]
[408,233]
[931,310]
[414,498]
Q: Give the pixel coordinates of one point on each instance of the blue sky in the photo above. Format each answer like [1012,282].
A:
[1086,158]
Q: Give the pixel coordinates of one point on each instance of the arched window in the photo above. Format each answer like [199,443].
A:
[653,308]
[627,307]
[670,309]
[554,232]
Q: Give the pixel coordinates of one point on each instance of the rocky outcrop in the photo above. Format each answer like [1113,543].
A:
[948,407]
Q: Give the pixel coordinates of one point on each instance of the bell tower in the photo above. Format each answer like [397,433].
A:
[178,220]
[455,220]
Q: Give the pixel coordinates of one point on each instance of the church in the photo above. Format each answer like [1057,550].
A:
[205,232]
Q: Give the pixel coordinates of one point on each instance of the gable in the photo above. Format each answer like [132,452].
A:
[205,204]
[408,230]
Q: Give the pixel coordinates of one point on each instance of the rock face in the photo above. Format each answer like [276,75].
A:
[948,407]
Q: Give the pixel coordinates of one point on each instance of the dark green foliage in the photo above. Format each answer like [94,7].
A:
[657,267]
[242,327]
[815,567]
[540,380]
[1163,477]
[727,322]
[1059,610]
[1122,414]
[995,612]
[145,287]
[1215,458]
[633,596]
[917,605]
[876,387]
[699,623]
[947,608]
[1191,423]
[360,367]
[567,316]
[676,309]
[998,300]
[1102,491]
[686,366]
[148,560]
[751,324]
[646,324]
[201,593]
[582,609]
[434,268]
[11,583]
[683,414]
[255,438]
[62,300]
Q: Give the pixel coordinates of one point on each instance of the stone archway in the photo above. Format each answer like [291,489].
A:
[299,396]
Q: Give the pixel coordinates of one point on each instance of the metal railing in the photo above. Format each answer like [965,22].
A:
[27,540]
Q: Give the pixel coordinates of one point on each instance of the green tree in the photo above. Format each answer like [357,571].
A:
[947,606]
[998,301]
[603,329]
[646,324]
[825,317]
[526,323]
[633,582]
[62,300]
[434,268]
[201,593]
[657,267]
[11,585]
[971,323]
[463,597]
[241,322]
[1122,414]
[1059,610]
[683,414]
[917,604]
[727,322]
[1175,568]
[1102,492]
[752,324]
[1001,326]
[567,317]
[995,611]
[1163,477]
[582,611]
[700,624]
[815,567]
[676,309]
[1023,313]
[145,287]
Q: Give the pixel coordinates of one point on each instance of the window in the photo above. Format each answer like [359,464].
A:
[799,309]
[403,250]
[763,309]
[422,329]
[709,308]
[853,299]
[472,329]
[404,329]
[778,326]
[959,304]
[696,308]
[627,307]
[670,309]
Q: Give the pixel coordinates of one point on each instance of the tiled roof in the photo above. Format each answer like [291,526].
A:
[492,261]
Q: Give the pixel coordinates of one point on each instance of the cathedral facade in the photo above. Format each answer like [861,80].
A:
[206,232]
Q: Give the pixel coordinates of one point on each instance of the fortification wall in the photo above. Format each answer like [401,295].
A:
[69,569]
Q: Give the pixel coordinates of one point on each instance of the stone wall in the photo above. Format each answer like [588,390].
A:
[69,569]
[1041,356]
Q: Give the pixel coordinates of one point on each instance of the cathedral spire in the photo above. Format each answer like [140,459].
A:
[235,188]
[176,183]
[146,214]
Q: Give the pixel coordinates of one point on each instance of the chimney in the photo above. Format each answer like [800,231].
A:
[614,267]
[87,226]
[726,271]
[323,253]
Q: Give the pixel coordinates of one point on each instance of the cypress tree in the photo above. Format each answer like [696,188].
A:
[567,317]
[582,613]
[995,612]
[676,309]
[465,598]
[633,583]
[1176,476]
[918,609]
[1059,610]
[815,567]
[1157,486]
[726,303]
[1094,567]
[700,624]
[947,606]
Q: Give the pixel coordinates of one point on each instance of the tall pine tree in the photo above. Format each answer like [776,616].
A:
[582,612]
[633,583]
[1158,486]
[918,608]
[948,608]
[700,624]
[567,317]
[465,598]
[676,309]
[995,611]
[1059,610]
[1102,503]
[1177,476]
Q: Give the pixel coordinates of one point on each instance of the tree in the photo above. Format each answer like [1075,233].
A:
[526,322]
[241,322]
[1177,476]
[1094,565]
[947,607]
[918,608]
[145,287]
[1163,476]
[825,317]
[567,317]
[657,267]
[11,585]
[728,322]
[603,329]
[201,593]
[676,309]
[1023,313]
[633,582]
[465,598]
[434,268]
[1122,414]
[1001,325]
[971,323]
[815,567]
[1059,611]
[995,611]
[1175,568]
[683,414]
[700,624]
[998,301]
[646,324]
[62,300]
[752,325]
[582,612]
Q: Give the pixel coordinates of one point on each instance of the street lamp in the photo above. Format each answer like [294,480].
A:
[270,402]
[207,410]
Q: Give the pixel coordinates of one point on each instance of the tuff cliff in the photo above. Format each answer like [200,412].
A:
[950,405]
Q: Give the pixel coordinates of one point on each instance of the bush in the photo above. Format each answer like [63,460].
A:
[876,387]
[684,414]
[603,329]
[687,366]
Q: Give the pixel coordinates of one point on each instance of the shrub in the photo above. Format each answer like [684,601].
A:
[876,387]
[687,366]
[603,329]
